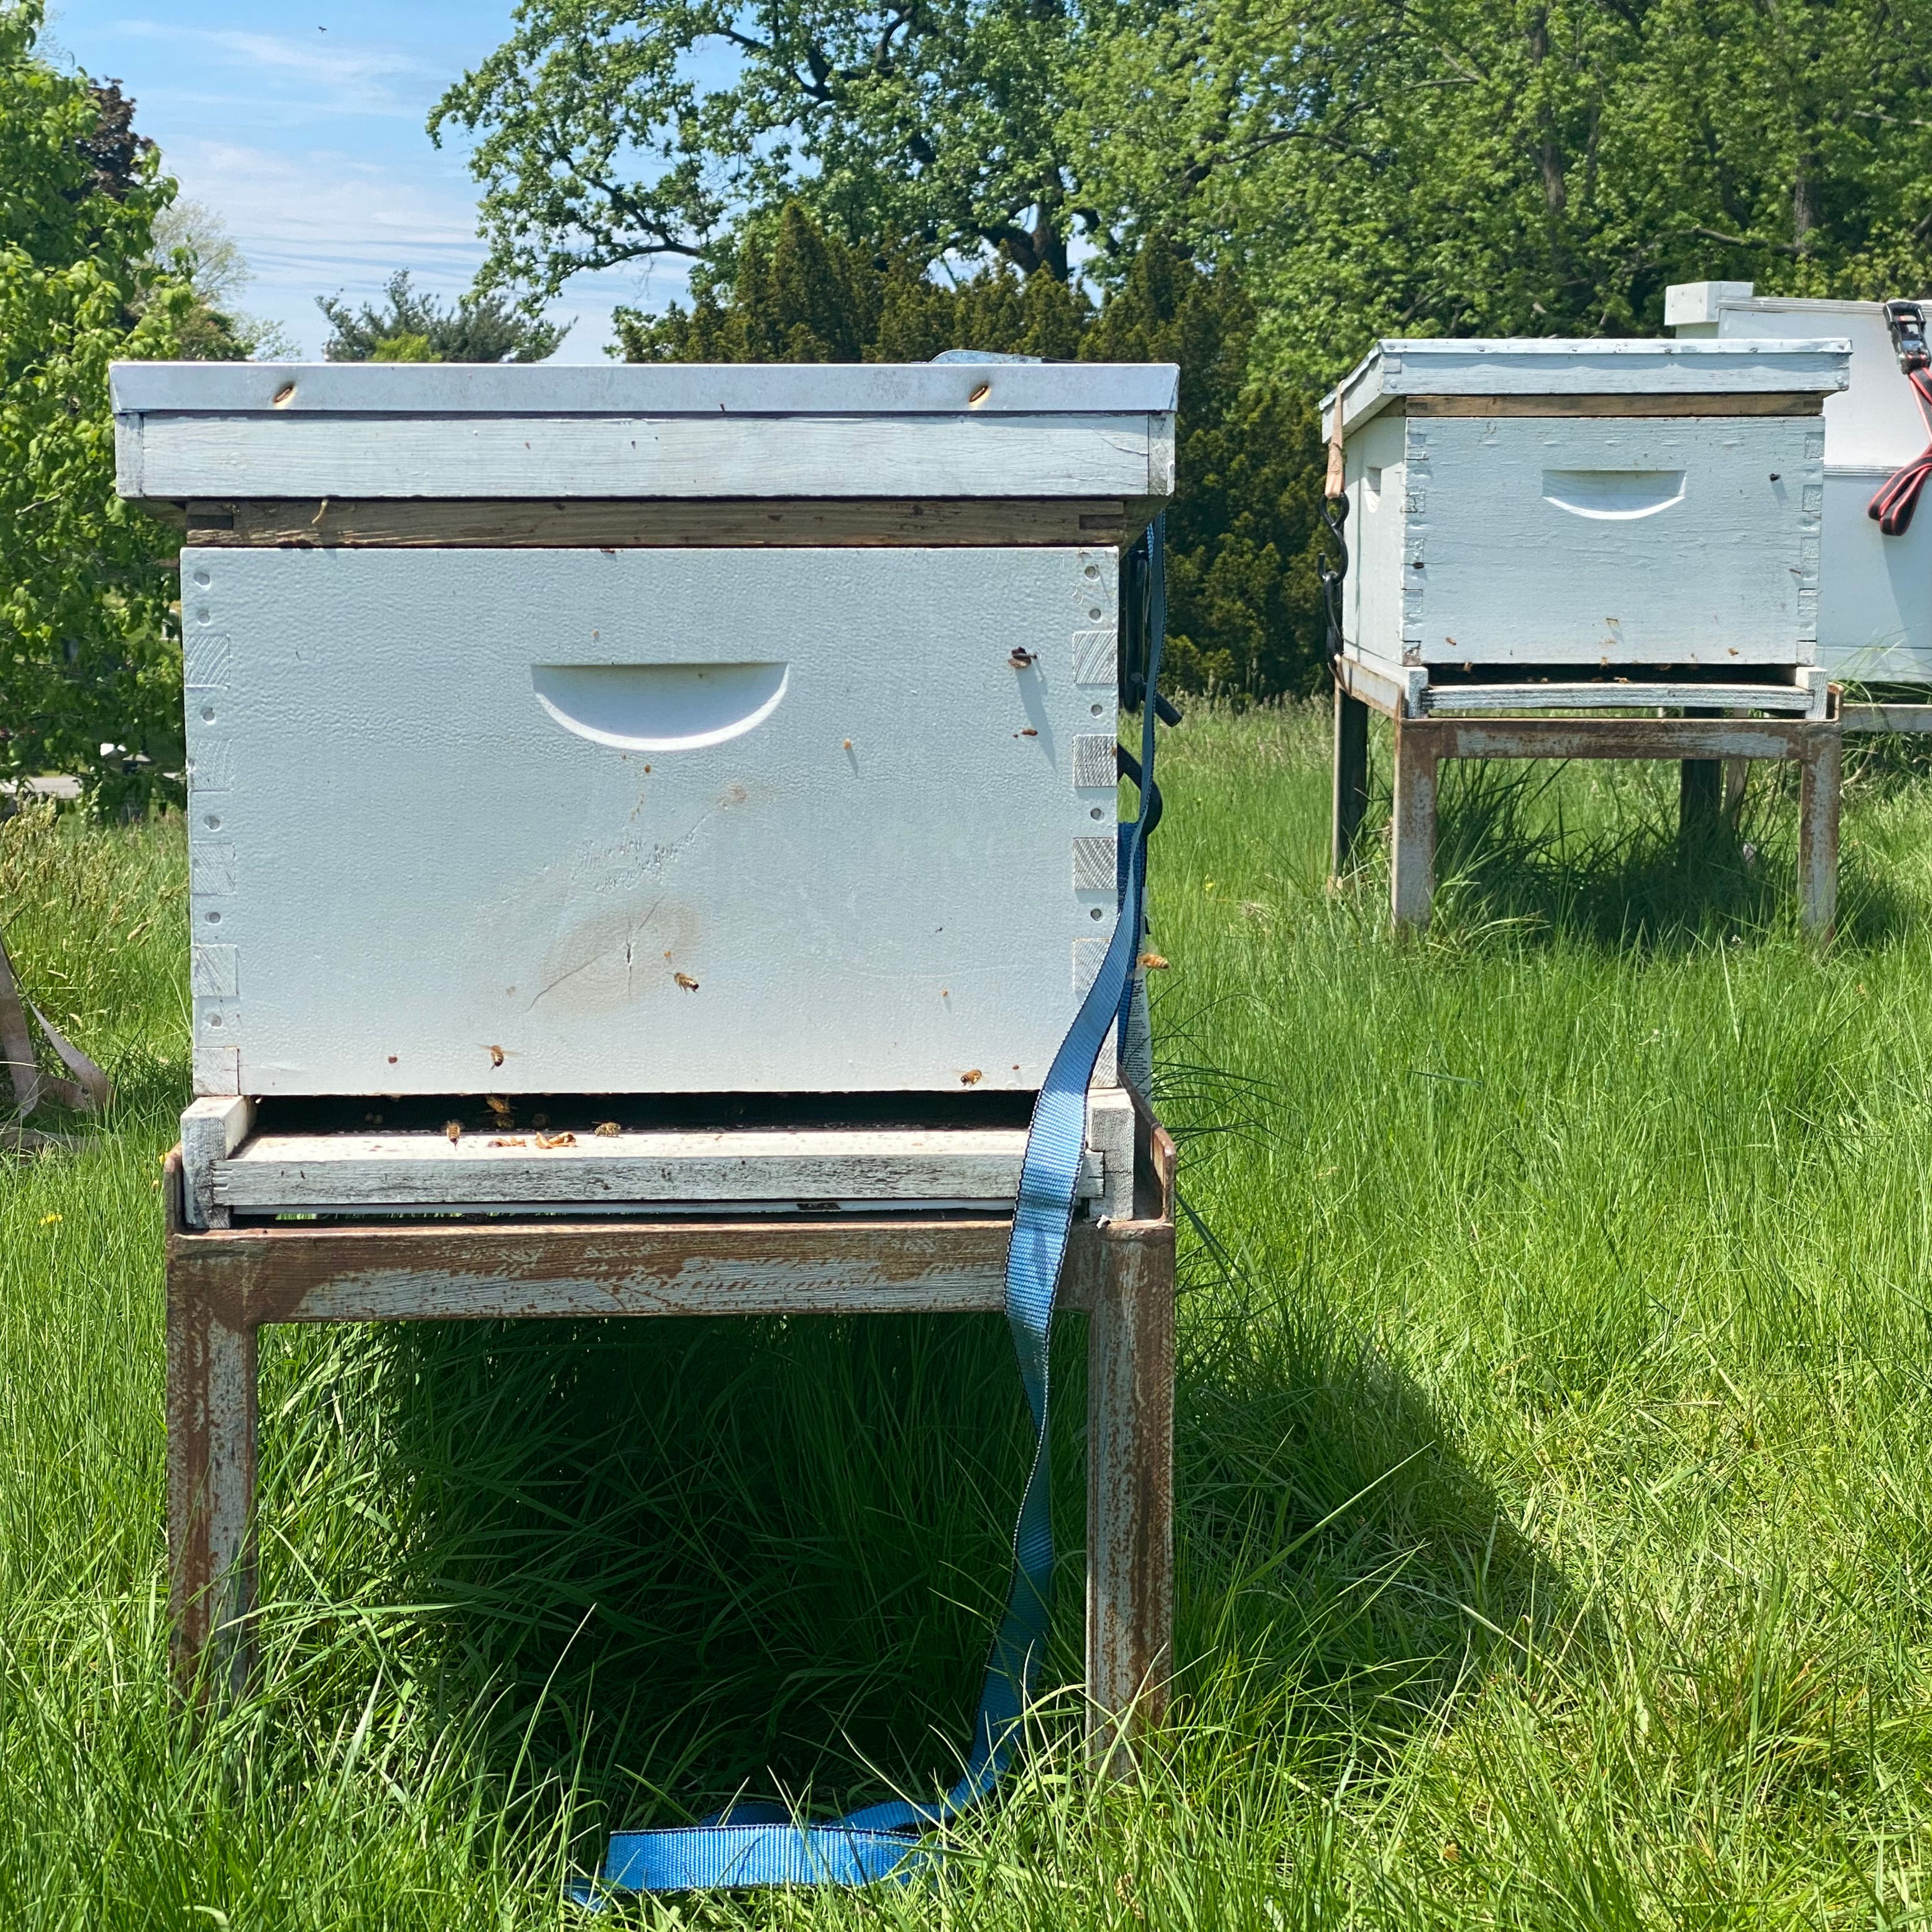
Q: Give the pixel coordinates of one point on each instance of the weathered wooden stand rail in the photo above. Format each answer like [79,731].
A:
[1883,717]
[1703,744]
[224,1284]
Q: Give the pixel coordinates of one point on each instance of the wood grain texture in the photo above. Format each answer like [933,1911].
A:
[211,1129]
[1449,699]
[752,522]
[1130,1343]
[1819,794]
[222,1285]
[306,1172]
[1715,406]
[1479,367]
[1623,737]
[211,1424]
[1110,1135]
[1412,855]
[848,1265]
[1483,543]
[1422,743]
[189,456]
[1395,690]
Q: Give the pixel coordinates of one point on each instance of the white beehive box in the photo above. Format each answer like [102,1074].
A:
[687,810]
[1526,506]
[1875,592]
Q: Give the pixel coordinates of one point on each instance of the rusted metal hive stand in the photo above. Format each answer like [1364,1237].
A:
[224,1283]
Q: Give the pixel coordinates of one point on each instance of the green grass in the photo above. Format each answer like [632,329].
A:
[1553,1461]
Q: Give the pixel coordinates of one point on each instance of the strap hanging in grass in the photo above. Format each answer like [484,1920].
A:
[764,1845]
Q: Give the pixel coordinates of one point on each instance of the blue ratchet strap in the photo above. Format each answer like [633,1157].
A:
[763,1844]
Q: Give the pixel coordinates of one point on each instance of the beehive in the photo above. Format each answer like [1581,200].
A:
[646,730]
[1584,507]
[1875,592]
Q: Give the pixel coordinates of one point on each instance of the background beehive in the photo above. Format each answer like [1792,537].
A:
[1584,504]
[1875,592]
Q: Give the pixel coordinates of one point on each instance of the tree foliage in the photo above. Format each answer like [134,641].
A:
[1242,597]
[89,647]
[193,244]
[618,131]
[416,328]
[1539,167]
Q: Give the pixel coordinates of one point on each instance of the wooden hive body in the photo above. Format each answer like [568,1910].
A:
[647,730]
[1874,592]
[1553,506]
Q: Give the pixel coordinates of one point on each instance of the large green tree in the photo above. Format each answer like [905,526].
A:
[1242,531]
[610,131]
[1535,167]
[90,657]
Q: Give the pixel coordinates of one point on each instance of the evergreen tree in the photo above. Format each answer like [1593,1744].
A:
[1242,538]
[415,328]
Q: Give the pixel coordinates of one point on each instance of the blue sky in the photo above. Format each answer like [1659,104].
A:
[303,128]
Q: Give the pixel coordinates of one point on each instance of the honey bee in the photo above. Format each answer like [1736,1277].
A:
[971,1077]
[684,980]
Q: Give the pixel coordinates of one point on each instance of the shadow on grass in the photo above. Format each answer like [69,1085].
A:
[692,1559]
[681,1561]
[1519,856]
[1343,1572]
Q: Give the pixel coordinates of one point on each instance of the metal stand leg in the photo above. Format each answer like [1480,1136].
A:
[1130,1495]
[211,1492]
[1818,800]
[1351,780]
[1412,858]
[1700,789]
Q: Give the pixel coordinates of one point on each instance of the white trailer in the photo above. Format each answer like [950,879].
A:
[1875,591]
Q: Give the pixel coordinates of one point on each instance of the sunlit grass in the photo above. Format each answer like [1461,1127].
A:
[1553,1457]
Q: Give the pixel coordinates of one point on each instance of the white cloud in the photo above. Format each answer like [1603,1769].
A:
[305,197]
[347,78]
[316,220]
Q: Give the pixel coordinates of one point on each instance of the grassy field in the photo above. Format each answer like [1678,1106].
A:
[1554,1432]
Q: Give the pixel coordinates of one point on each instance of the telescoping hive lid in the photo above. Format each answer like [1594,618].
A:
[996,428]
[1876,425]
[1396,369]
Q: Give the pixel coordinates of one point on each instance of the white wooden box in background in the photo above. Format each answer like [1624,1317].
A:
[1559,503]
[636,821]
[1875,592]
